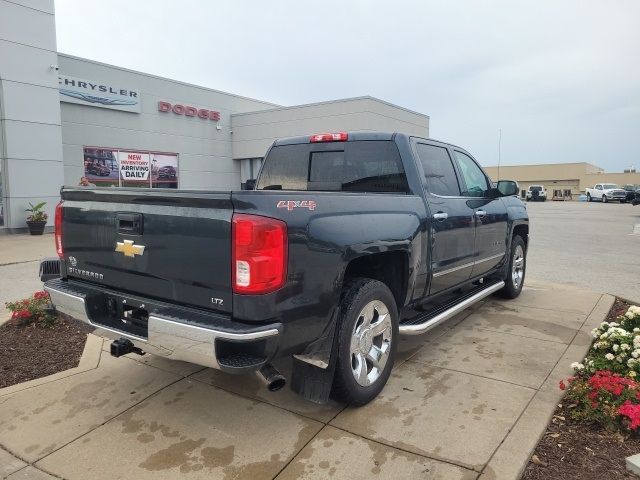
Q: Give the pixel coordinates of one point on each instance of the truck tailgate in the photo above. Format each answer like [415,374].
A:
[174,247]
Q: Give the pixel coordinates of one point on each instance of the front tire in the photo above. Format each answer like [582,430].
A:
[367,341]
[604,199]
[516,270]
[588,197]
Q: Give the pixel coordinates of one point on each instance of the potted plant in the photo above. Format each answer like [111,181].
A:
[37,218]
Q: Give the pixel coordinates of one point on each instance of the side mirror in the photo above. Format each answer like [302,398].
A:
[249,185]
[507,188]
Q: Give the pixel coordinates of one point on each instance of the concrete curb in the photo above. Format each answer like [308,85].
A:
[88,361]
[512,456]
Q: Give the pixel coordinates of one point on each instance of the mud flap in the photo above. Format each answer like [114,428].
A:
[313,371]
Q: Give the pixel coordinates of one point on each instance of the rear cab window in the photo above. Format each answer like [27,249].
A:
[356,166]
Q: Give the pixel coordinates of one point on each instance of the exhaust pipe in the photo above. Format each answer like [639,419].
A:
[272,378]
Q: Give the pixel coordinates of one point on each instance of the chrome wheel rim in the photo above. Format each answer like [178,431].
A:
[517,268]
[370,343]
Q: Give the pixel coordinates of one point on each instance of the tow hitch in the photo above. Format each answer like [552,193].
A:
[122,346]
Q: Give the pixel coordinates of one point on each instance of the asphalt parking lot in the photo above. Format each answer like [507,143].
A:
[587,245]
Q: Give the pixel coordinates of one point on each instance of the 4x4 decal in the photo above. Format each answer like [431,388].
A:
[291,204]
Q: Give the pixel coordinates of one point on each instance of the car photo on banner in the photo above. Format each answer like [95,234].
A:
[164,170]
[101,166]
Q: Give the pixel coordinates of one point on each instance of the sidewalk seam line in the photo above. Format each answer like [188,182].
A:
[535,389]
[380,442]
[18,263]
[298,452]
[521,336]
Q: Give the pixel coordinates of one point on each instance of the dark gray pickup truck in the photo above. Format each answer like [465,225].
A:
[345,242]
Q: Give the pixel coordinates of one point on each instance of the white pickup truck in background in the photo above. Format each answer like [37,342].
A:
[606,192]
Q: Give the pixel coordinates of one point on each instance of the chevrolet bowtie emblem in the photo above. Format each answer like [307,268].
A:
[129,249]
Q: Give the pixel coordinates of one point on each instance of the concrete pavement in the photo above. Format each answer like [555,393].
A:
[467,400]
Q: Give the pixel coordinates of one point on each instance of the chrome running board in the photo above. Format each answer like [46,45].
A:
[431,322]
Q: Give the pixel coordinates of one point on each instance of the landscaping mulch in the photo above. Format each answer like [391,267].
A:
[33,351]
[574,450]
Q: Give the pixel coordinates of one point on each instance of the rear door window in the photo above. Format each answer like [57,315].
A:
[360,166]
[440,176]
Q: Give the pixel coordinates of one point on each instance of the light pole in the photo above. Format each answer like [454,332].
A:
[499,150]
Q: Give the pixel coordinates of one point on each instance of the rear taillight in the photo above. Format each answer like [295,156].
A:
[58,230]
[329,137]
[259,254]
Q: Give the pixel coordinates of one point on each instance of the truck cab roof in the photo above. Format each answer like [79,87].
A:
[353,136]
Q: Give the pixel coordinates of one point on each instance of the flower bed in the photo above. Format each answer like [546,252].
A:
[597,424]
[605,389]
[36,342]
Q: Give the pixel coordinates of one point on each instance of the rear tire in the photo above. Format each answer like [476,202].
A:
[516,269]
[588,197]
[367,341]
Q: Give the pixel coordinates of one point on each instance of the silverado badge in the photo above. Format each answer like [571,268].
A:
[129,249]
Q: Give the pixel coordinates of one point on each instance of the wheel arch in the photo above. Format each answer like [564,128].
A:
[390,268]
[522,230]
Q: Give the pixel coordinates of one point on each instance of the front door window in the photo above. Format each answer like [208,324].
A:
[475,180]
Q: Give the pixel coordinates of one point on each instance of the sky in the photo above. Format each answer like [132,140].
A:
[560,79]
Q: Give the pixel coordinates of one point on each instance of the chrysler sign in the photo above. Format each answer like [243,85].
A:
[98,94]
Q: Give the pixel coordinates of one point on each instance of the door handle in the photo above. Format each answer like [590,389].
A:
[480,213]
[440,216]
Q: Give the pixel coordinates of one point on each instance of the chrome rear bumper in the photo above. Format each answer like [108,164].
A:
[166,337]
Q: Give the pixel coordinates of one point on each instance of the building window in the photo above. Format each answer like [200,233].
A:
[249,168]
[110,167]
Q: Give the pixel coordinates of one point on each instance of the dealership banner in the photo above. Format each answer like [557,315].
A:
[97,93]
[112,167]
[134,167]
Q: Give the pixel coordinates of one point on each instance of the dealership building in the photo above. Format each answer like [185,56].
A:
[64,117]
